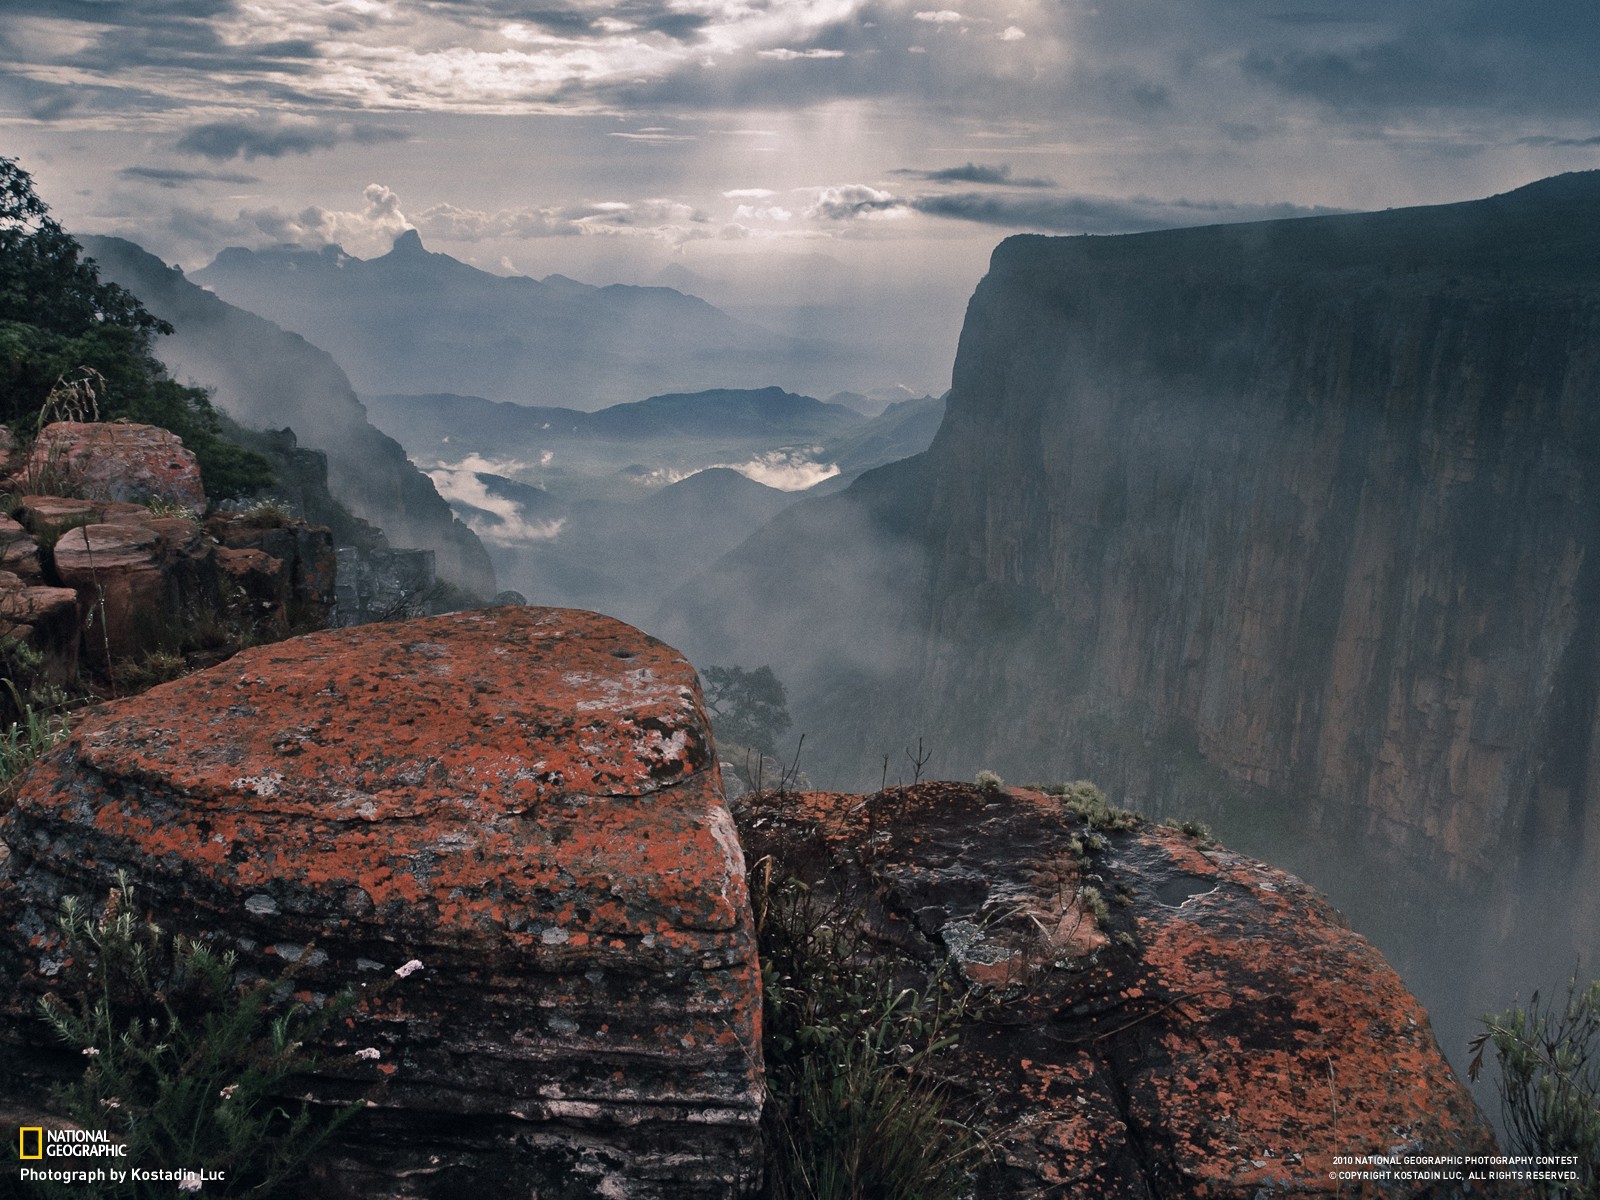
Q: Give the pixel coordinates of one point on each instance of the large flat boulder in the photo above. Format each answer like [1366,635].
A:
[525,800]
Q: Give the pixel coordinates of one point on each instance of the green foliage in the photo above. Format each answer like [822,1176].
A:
[185,1064]
[750,708]
[161,507]
[1549,1057]
[854,1107]
[989,781]
[1089,802]
[1188,826]
[35,729]
[267,514]
[60,324]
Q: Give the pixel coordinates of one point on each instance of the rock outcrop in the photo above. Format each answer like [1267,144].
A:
[523,799]
[1167,1018]
[113,462]
[526,801]
[142,582]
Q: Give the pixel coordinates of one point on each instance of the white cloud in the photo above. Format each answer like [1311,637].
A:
[1012,34]
[749,194]
[786,470]
[783,55]
[771,212]
[662,218]
[506,524]
[943,16]
[370,231]
[422,57]
[850,200]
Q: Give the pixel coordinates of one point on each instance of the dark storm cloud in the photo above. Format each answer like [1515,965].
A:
[1386,75]
[1444,54]
[57,104]
[223,140]
[999,175]
[131,12]
[172,177]
[1546,140]
[1096,214]
[594,20]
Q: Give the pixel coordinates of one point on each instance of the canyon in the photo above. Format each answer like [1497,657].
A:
[1292,526]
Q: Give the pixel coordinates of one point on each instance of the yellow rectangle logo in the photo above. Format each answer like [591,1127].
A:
[36,1140]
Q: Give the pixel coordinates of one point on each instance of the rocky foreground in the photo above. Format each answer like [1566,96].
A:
[526,801]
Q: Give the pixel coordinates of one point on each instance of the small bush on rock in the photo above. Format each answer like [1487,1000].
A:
[186,1064]
[855,1110]
[1089,802]
[1549,1057]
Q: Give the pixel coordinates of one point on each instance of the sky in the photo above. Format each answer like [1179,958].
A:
[775,155]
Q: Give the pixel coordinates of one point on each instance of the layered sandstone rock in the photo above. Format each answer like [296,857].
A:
[523,799]
[144,582]
[1199,1025]
[114,462]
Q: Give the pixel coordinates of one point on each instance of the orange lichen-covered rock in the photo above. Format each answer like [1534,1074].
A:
[523,799]
[1198,1025]
[114,461]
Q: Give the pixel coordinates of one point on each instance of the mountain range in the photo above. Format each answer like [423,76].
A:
[416,321]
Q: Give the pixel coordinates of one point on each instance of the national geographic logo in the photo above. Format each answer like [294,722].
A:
[35,1143]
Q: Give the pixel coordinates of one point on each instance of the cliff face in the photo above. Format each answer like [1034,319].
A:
[1330,514]
[1296,522]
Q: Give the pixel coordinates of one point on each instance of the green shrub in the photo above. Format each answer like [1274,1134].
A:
[80,347]
[1549,1057]
[1088,802]
[267,514]
[854,1109]
[989,781]
[186,1064]
[1189,827]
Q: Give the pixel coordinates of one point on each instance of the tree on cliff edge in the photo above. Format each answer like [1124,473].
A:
[59,321]
[748,708]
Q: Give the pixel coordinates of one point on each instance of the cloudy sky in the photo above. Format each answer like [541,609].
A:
[807,146]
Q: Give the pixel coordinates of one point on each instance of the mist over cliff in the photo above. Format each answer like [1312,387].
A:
[1292,526]
[267,378]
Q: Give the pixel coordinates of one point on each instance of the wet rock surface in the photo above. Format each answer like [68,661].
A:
[1199,1025]
[523,799]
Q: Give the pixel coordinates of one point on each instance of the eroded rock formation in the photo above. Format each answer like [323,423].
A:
[523,799]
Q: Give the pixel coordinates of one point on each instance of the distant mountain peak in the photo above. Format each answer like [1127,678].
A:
[408,241]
